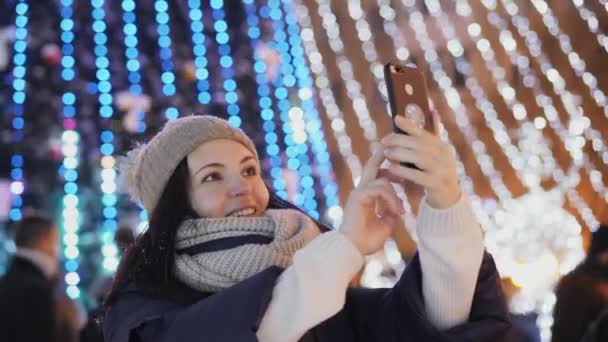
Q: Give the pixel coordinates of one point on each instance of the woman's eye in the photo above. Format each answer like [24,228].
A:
[211,177]
[251,171]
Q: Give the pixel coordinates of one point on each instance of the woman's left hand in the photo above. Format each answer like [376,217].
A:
[432,156]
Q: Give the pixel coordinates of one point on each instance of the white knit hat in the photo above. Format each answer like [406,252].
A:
[147,168]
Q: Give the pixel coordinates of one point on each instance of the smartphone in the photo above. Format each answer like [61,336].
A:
[408,96]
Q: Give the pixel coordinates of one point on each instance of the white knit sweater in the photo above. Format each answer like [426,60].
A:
[314,287]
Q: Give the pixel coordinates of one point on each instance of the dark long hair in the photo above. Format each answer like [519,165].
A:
[149,262]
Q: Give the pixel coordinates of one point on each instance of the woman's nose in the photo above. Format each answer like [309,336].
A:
[239,186]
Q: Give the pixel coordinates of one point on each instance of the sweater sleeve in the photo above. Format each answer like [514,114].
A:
[451,250]
[312,289]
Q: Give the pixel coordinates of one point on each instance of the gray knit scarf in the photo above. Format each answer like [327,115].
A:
[203,261]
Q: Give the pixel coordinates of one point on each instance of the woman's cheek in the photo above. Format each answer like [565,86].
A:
[262,194]
[208,203]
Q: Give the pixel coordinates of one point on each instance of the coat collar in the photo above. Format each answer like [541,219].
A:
[43,262]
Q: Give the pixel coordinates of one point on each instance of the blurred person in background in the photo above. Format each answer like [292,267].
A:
[28,309]
[598,329]
[70,318]
[583,293]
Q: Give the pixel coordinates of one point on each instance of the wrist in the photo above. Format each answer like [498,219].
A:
[443,199]
[352,237]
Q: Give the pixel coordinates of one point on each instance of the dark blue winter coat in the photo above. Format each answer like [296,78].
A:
[386,315]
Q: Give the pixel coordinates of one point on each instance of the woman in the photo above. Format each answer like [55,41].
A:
[224,259]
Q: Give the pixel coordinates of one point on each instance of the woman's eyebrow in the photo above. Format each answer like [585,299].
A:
[245,159]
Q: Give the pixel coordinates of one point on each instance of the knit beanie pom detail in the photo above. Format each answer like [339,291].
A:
[128,171]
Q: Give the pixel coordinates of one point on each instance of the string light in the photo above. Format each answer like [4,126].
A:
[200,52]
[388,16]
[574,60]
[392,30]
[592,23]
[167,76]
[134,76]
[518,111]
[558,176]
[291,114]
[353,87]
[264,98]
[568,100]
[530,81]
[222,38]
[353,90]
[313,125]
[328,101]
[557,81]
[282,82]
[557,238]
[370,52]
[108,172]
[332,31]
[131,54]
[466,181]
[485,106]
[454,102]
[565,135]
[17,186]
[495,179]
[70,216]
[605,3]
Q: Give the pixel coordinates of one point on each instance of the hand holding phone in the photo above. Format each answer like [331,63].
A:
[408,96]
[418,154]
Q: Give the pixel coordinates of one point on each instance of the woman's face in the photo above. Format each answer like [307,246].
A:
[225,180]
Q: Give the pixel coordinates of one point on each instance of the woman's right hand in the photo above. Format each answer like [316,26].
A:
[367,228]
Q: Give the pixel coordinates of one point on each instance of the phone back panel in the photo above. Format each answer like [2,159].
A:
[406,85]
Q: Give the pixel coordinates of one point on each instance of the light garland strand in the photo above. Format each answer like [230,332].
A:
[107,149]
[328,101]
[452,97]
[295,144]
[70,139]
[19,84]
[134,77]
[222,38]
[264,99]
[199,51]
[364,34]
[592,23]
[388,15]
[312,125]
[574,59]
[572,254]
[132,53]
[353,87]
[550,113]
[516,108]
[167,76]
